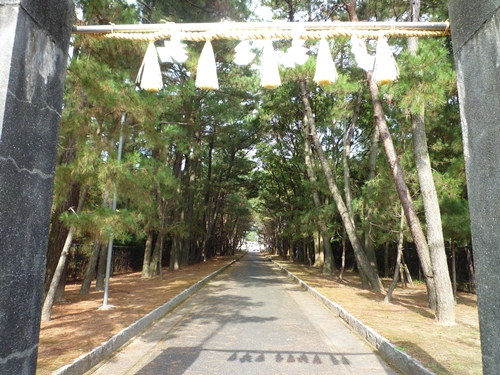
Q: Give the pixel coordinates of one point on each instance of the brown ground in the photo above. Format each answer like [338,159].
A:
[77,327]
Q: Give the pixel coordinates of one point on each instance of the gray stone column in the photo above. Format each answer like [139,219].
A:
[475,28]
[34,39]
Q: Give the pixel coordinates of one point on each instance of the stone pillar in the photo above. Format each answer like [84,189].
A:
[475,29]
[34,40]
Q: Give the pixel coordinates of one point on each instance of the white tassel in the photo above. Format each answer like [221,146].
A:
[363,59]
[177,49]
[298,52]
[325,68]
[173,50]
[243,55]
[286,59]
[164,53]
[269,71]
[386,69]
[206,74]
[149,77]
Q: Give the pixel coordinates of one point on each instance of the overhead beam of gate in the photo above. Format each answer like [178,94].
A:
[266,30]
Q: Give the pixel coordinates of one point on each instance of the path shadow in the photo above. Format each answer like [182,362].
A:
[173,361]
[400,302]
[467,299]
[425,358]
[221,310]
[176,360]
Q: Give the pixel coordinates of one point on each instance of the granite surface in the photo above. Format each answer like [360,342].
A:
[477,58]
[35,37]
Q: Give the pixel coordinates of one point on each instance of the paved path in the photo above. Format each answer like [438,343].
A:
[249,320]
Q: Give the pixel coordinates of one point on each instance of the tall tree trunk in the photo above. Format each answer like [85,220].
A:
[359,253]
[175,253]
[58,234]
[403,192]
[209,239]
[190,241]
[59,294]
[445,302]
[470,268]
[397,267]
[368,207]
[103,252]
[89,275]
[328,263]
[319,252]
[154,264]
[386,259]
[61,265]
[234,235]
[101,267]
[187,209]
[348,135]
[307,248]
[398,175]
[146,267]
[453,269]
[207,210]
[177,214]
[342,264]
[58,231]
[160,262]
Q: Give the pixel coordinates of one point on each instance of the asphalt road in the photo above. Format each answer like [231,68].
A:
[249,320]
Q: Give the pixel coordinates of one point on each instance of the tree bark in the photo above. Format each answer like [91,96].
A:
[359,253]
[89,275]
[368,212]
[206,212]
[155,264]
[190,241]
[146,268]
[328,263]
[348,135]
[342,262]
[103,252]
[403,192]
[59,294]
[61,265]
[175,253]
[453,269]
[319,253]
[386,260]
[397,267]
[58,231]
[445,302]
[101,267]
[470,267]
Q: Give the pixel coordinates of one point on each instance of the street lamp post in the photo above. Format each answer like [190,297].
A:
[111,236]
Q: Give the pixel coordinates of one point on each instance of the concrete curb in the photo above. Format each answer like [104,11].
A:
[400,360]
[85,362]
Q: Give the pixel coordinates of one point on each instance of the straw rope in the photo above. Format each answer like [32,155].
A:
[271,34]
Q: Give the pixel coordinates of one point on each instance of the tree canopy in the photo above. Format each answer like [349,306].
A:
[201,169]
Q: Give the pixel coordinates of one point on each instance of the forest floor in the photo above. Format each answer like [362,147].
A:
[78,326]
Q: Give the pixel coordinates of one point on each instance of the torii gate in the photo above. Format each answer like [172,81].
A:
[34,40]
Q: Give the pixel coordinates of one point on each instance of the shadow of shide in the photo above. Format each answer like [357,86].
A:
[176,360]
[288,357]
